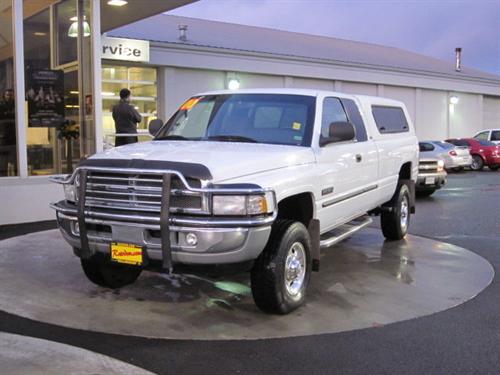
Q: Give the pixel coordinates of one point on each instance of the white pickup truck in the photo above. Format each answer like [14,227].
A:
[262,178]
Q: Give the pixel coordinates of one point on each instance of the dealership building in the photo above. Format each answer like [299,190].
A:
[90,49]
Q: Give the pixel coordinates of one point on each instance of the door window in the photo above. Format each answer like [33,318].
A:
[482,135]
[333,111]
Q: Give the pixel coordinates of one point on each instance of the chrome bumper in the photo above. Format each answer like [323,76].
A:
[218,241]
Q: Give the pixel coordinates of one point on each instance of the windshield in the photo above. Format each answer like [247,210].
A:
[445,145]
[258,118]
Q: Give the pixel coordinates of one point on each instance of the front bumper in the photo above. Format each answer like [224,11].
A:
[430,181]
[218,241]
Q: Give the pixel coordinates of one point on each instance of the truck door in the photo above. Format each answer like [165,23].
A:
[348,170]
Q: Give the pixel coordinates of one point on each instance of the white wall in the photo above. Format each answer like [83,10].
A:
[491,112]
[359,88]
[432,115]
[466,117]
[27,200]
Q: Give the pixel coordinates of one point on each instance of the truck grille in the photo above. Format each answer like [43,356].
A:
[136,192]
[428,166]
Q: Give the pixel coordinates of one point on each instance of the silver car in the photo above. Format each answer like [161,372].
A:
[454,157]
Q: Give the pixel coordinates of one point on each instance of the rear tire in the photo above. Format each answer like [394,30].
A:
[281,273]
[395,222]
[477,163]
[109,275]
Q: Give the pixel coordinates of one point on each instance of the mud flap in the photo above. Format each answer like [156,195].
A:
[164,224]
[84,240]
[315,248]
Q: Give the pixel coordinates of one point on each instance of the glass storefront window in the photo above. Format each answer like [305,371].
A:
[59,116]
[8,151]
[66,32]
[141,81]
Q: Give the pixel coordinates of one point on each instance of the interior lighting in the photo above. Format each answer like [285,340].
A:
[117,3]
[107,93]
[73,29]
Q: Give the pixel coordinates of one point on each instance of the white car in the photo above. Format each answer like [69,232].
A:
[261,177]
[492,135]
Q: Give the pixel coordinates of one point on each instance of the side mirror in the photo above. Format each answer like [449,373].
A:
[340,131]
[155,126]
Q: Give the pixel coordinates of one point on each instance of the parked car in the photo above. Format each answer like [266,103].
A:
[454,157]
[492,135]
[483,152]
[431,175]
[252,177]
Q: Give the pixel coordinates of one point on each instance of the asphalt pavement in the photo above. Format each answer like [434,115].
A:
[462,340]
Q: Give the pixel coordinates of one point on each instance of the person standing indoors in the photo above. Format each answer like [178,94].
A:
[126,119]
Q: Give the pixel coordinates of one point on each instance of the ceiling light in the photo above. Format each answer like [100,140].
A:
[73,29]
[39,33]
[117,3]
[107,93]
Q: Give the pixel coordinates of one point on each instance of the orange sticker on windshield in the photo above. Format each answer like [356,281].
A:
[189,104]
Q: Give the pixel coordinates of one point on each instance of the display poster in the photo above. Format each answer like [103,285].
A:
[45,97]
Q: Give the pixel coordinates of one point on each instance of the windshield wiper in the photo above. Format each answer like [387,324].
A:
[172,137]
[231,138]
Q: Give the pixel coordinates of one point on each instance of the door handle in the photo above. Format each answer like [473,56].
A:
[358,158]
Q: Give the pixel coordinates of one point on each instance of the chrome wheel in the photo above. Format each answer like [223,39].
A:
[477,163]
[404,214]
[295,269]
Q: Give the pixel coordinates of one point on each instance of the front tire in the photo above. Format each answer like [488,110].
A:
[396,220]
[281,273]
[477,163]
[109,275]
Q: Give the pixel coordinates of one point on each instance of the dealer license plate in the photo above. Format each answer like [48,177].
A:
[126,253]
[430,180]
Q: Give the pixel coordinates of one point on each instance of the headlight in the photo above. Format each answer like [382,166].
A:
[70,192]
[243,205]
[440,165]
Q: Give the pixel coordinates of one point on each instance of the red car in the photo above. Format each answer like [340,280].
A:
[483,152]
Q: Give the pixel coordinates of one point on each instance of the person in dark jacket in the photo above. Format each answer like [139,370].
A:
[126,119]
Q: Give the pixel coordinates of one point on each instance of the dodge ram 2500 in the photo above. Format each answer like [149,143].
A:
[263,177]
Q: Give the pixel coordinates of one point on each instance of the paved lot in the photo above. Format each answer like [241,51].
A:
[462,340]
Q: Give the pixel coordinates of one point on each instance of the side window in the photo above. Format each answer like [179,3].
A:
[390,119]
[495,135]
[332,112]
[355,119]
[483,135]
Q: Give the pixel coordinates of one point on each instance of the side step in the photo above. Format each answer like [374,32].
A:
[342,232]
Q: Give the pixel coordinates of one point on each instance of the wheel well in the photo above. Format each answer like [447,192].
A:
[405,171]
[297,207]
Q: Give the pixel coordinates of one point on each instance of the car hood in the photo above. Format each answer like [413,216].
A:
[225,160]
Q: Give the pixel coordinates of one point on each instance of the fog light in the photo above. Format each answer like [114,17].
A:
[191,239]
[76,227]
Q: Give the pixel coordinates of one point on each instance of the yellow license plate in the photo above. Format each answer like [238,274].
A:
[126,253]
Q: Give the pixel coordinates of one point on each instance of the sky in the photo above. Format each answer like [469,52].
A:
[431,27]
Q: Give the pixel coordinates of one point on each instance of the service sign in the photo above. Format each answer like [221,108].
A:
[125,49]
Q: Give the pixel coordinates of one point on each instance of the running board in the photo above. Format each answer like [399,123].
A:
[342,232]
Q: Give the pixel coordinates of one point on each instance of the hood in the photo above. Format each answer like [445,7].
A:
[225,160]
